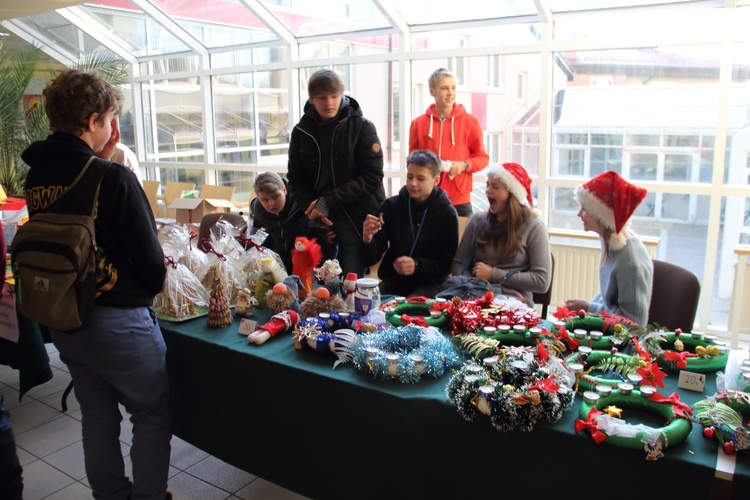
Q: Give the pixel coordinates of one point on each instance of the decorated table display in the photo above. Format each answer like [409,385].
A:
[405,353]
[676,351]
[721,418]
[598,331]
[515,388]
[600,416]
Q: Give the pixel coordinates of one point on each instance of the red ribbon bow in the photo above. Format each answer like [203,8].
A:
[207,247]
[680,408]
[169,261]
[590,424]
[563,334]
[417,320]
[679,358]
[548,385]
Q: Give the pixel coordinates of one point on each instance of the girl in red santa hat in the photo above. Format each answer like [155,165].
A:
[625,273]
[507,245]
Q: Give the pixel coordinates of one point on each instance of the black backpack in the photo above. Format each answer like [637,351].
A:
[53,257]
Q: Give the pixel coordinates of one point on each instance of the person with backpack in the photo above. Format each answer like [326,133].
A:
[118,355]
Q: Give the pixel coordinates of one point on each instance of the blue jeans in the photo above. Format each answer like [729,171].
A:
[11,480]
[120,357]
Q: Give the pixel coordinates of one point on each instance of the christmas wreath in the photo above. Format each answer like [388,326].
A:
[601,417]
[614,368]
[488,341]
[405,353]
[420,311]
[676,351]
[614,329]
[475,315]
[721,418]
[515,389]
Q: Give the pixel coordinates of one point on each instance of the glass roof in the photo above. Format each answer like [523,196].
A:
[140,30]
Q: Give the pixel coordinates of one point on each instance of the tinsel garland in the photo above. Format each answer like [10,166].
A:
[679,351]
[514,389]
[405,353]
[469,316]
[721,419]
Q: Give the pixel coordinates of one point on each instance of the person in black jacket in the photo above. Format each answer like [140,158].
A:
[418,232]
[276,211]
[119,356]
[335,165]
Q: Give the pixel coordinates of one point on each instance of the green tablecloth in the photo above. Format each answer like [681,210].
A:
[284,415]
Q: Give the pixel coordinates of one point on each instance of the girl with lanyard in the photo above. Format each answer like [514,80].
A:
[416,234]
[507,245]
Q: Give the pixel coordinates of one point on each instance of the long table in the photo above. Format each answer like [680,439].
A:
[285,415]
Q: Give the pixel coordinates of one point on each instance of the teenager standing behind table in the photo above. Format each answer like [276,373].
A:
[455,136]
[625,270]
[419,234]
[336,165]
[508,245]
[119,356]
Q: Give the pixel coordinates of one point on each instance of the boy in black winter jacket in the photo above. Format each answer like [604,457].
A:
[421,226]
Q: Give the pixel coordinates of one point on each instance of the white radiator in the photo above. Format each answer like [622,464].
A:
[576,274]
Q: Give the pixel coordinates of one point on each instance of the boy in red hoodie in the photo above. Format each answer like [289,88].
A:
[455,136]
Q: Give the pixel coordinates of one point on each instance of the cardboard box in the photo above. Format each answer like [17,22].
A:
[192,210]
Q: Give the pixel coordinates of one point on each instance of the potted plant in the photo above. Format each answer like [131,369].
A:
[19,127]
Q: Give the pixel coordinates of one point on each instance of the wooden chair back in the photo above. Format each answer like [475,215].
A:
[151,188]
[217,192]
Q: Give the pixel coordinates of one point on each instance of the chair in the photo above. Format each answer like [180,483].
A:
[208,223]
[545,298]
[674,297]
[172,191]
[151,188]
[461,226]
[217,192]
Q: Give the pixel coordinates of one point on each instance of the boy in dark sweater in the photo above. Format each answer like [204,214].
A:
[418,231]
[119,356]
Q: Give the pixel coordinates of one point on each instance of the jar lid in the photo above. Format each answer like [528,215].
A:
[367,282]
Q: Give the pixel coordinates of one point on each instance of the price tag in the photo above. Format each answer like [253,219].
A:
[691,381]
[247,326]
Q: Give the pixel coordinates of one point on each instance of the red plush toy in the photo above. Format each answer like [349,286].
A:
[305,256]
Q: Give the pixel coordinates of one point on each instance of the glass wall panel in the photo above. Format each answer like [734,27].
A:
[174,121]
[251,117]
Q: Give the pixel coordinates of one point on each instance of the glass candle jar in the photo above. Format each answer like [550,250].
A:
[366,295]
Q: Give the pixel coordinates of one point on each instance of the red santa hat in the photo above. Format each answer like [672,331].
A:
[515,178]
[612,200]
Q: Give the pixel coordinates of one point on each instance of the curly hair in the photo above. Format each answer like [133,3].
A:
[73,96]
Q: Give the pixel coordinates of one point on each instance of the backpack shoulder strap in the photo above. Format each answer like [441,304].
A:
[96,176]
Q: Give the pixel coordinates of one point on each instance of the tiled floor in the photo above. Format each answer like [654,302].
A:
[50,450]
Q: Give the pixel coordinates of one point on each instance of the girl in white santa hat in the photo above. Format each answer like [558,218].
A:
[626,270]
[507,245]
